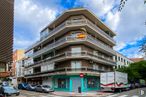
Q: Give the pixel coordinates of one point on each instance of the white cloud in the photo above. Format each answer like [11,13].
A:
[129,24]
[119,46]
[32,17]
[113,20]
[99,7]
[21,43]
[133,52]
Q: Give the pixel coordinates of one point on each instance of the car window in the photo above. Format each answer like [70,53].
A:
[46,86]
[38,86]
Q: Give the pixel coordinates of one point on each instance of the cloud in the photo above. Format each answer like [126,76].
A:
[31,18]
[128,24]
[119,46]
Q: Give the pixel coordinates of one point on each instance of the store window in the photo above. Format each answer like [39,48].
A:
[63,82]
[92,83]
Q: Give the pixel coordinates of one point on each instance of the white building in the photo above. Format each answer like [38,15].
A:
[20,70]
[121,60]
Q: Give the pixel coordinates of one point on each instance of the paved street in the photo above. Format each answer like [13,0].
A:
[132,93]
[34,94]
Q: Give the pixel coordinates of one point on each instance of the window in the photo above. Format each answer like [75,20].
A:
[119,58]
[63,83]
[95,67]
[75,64]
[91,82]
[76,51]
[44,33]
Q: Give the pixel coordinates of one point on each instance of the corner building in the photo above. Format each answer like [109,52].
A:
[71,52]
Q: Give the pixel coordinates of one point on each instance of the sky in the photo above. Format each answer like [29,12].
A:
[31,16]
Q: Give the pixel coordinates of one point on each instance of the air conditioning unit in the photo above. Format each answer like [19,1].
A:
[95,52]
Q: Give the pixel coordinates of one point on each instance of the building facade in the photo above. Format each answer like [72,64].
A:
[20,71]
[6,36]
[17,55]
[71,52]
[121,60]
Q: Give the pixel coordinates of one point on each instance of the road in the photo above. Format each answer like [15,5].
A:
[141,92]
[24,93]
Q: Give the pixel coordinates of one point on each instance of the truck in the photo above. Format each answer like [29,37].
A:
[113,81]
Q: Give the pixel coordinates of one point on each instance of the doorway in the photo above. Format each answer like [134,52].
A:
[76,83]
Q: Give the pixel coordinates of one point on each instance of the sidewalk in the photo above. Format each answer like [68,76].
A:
[84,94]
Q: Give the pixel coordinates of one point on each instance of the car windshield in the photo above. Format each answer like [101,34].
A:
[9,88]
[46,86]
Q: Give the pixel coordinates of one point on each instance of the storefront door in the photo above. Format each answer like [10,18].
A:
[76,83]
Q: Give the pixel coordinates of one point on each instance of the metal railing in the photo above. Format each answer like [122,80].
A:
[69,54]
[74,22]
[68,39]
[66,70]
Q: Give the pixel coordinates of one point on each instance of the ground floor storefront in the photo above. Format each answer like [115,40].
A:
[75,83]
[68,83]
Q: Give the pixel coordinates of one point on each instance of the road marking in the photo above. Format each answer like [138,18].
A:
[115,95]
[123,96]
[135,96]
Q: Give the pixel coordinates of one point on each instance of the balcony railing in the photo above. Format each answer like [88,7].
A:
[69,54]
[75,22]
[67,70]
[69,38]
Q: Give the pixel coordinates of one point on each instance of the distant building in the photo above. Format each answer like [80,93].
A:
[17,55]
[121,60]
[20,70]
[6,36]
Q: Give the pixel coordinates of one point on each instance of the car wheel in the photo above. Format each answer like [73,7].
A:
[17,94]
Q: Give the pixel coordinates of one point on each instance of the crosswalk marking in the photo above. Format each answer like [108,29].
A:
[123,96]
[135,96]
[115,95]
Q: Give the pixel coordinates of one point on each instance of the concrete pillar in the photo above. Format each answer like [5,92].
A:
[82,84]
[70,84]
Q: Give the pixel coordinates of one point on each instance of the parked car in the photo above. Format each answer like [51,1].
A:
[43,88]
[22,86]
[9,90]
[1,95]
[31,87]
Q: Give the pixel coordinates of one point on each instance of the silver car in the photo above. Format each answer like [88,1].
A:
[43,88]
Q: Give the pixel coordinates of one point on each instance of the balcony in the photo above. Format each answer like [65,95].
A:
[67,70]
[80,22]
[87,39]
[76,55]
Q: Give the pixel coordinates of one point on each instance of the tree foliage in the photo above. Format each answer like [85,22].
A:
[135,71]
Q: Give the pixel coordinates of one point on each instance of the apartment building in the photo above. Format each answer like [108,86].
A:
[20,70]
[121,60]
[71,52]
[17,55]
[6,36]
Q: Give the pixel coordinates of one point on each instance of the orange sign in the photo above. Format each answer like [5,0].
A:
[81,35]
